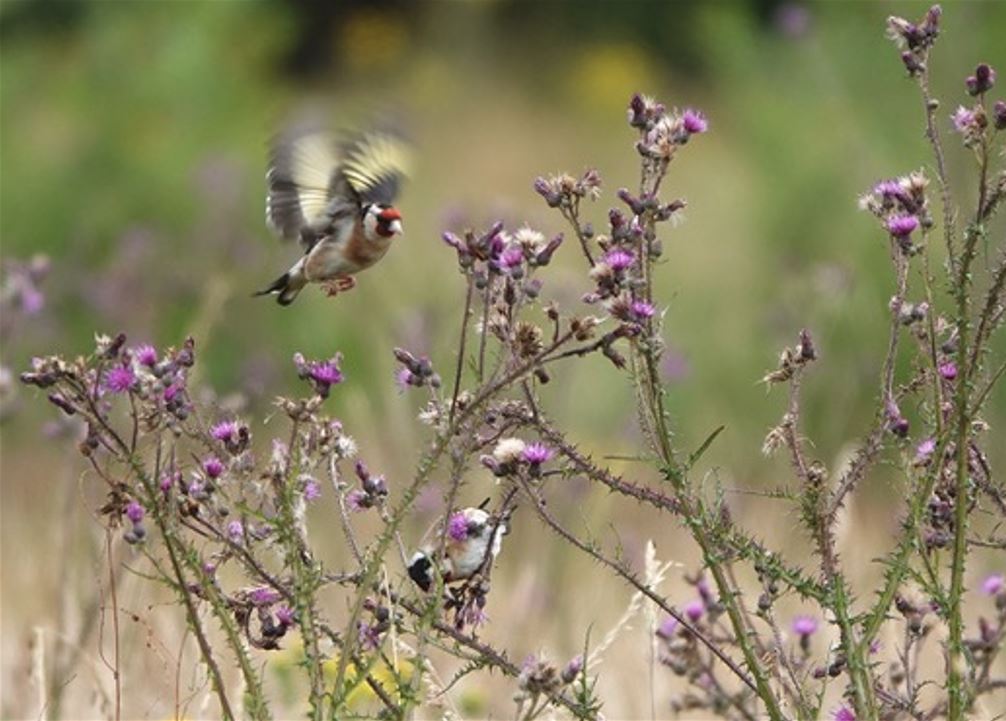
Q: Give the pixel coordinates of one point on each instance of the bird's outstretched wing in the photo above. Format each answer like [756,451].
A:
[313,175]
[375,163]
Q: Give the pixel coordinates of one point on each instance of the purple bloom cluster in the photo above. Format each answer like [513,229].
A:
[233,434]
[924,450]
[695,609]
[146,355]
[537,453]
[495,252]
[457,526]
[901,206]
[226,431]
[896,423]
[804,625]
[135,513]
[264,596]
[619,260]
[120,379]
[994,585]
[322,375]
[373,490]
[844,713]
[213,467]
[285,615]
[694,121]
[21,282]
[964,119]
[311,490]
[415,372]
[982,81]
[901,226]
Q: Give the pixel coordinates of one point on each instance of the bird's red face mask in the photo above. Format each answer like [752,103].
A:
[389,222]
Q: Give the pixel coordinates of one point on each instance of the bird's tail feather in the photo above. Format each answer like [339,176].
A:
[286,287]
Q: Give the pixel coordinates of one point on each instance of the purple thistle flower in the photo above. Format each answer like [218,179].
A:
[369,636]
[668,628]
[924,450]
[963,119]
[284,614]
[572,669]
[326,373]
[694,121]
[195,487]
[455,242]
[32,299]
[225,431]
[235,531]
[213,467]
[512,257]
[357,500]
[536,453]
[642,310]
[473,615]
[263,596]
[804,625]
[619,260]
[145,355]
[901,226]
[171,392]
[948,370]
[994,584]
[887,188]
[843,713]
[999,114]
[167,481]
[404,378]
[120,379]
[457,527]
[312,491]
[982,81]
[695,609]
[135,512]
[890,189]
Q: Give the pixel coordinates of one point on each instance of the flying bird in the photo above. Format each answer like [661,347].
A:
[336,198]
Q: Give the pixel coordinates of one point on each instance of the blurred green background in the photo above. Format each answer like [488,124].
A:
[132,153]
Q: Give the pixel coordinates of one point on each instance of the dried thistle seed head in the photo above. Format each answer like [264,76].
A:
[817,472]
[583,328]
[527,339]
[773,441]
[530,241]
[509,450]
[539,677]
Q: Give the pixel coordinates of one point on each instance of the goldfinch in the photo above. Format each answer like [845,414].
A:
[473,540]
[336,199]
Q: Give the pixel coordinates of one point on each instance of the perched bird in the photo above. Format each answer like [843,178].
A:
[473,540]
[335,197]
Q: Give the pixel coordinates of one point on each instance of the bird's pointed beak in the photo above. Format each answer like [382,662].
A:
[395,227]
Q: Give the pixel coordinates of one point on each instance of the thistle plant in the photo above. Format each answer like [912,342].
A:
[218,514]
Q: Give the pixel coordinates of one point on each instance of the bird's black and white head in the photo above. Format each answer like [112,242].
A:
[381,221]
[421,570]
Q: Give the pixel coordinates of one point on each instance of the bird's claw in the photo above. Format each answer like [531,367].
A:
[333,287]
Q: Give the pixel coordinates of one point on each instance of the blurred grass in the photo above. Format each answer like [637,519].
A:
[132,140]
